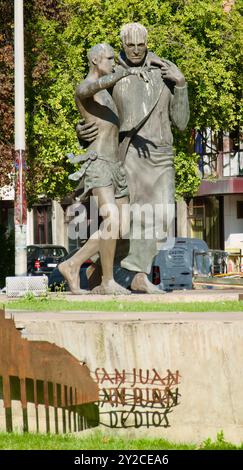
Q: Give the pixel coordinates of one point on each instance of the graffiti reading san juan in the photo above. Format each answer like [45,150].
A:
[136,398]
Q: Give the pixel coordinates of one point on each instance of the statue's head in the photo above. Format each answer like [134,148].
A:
[134,39]
[101,57]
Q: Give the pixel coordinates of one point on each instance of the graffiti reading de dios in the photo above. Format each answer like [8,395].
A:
[136,398]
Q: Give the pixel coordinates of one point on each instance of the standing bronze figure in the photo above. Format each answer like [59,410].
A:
[103,174]
[148,103]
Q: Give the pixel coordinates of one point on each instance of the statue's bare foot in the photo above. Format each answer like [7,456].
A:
[71,274]
[110,287]
[141,283]
[80,291]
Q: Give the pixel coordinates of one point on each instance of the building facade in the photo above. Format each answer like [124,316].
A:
[215,214]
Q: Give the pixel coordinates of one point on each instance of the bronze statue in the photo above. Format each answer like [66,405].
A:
[147,104]
[104,175]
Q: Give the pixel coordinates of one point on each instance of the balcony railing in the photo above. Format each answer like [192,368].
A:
[221,154]
[222,165]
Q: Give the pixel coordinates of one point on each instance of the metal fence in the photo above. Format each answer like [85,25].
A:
[43,388]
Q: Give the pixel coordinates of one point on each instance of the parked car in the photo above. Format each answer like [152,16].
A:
[56,281]
[42,259]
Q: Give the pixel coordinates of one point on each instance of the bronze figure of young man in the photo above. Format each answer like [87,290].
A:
[104,175]
[159,92]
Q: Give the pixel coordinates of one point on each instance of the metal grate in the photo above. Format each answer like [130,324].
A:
[20,285]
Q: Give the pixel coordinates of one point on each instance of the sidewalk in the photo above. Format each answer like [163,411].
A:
[198,295]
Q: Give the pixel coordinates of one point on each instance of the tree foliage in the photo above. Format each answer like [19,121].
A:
[6,92]
[202,39]
[187,177]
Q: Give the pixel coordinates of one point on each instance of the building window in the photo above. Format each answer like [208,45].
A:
[7,215]
[205,220]
[221,154]
[42,224]
[239,209]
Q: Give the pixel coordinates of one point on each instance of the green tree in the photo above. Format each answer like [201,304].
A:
[6,92]
[187,176]
[202,39]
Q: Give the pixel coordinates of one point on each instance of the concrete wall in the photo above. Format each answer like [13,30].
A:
[207,355]
[233,226]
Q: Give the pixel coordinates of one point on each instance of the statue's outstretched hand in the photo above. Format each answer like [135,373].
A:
[171,72]
[86,132]
[152,59]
